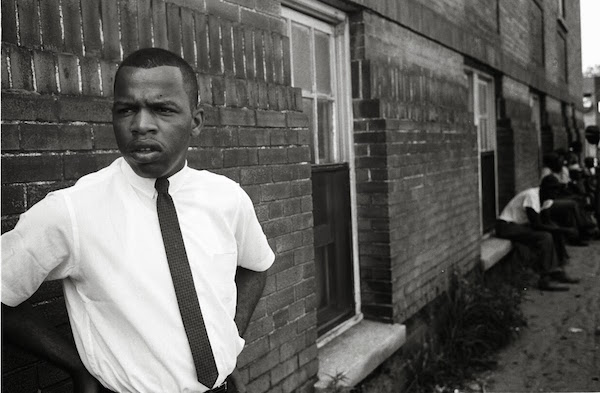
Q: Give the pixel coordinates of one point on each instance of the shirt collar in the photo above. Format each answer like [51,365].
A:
[146,184]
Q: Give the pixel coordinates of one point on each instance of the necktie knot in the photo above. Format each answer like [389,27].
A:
[162,185]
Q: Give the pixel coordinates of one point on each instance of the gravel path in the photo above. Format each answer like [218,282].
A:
[559,350]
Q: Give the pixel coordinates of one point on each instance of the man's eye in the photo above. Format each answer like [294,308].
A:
[124,111]
[164,110]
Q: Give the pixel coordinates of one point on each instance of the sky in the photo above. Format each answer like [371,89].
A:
[590,33]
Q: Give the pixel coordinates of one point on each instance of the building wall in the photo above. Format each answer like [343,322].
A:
[416,159]
[56,115]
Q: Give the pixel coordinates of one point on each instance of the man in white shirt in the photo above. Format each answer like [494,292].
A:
[102,238]
[521,221]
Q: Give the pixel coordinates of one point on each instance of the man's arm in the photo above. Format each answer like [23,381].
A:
[537,223]
[250,285]
[26,330]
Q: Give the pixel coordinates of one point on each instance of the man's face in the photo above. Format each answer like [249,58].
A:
[152,120]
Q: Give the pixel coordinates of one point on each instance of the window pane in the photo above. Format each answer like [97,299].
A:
[307,104]
[483,98]
[323,62]
[301,56]
[325,129]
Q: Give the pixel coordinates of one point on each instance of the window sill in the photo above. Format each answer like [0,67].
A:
[358,351]
[493,250]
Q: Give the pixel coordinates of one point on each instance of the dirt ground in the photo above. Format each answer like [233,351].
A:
[559,350]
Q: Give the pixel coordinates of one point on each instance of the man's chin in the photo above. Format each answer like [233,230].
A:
[151,169]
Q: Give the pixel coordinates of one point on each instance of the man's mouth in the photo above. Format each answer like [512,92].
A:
[145,152]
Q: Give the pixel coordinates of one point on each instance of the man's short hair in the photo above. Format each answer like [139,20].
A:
[157,57]
[550,188]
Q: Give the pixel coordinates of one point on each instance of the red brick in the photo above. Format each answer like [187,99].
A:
[238,51]
[173,28]
[144,23]
[90,11]
[17,169]
[263,99]
[51,34]
[249,52]
[269,6]
[271,156]
[29,107]
[202,42]
[218,90]
[78,165]
[273,97]
[108,70]
[241,92]
[296,119]
[284,137]
[214,42]
[259,328]
[237,117]
[187,35]
[68,74]
[72,25]
[20,67]
[40,137]
[239,157]
[255,175]
[7,224]
[269,57]
[10,137]
[298,154]
[211,116]
[253,137]
[223,10]
[277,58]
[159,23]
[128,15]
[29,20]
[9,21]
[275,191]
[13,199]
[45,72]
[85,109]
[110,30]
[259,54]
[205,158]
[75,137]
[217,137]
[270,119]
[253,18]
[227,48]
[90,77]
[252,90]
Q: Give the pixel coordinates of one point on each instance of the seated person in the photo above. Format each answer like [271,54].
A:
[521,221]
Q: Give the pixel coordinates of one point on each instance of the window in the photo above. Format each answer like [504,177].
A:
[319,63]
[561,56]
[482,105]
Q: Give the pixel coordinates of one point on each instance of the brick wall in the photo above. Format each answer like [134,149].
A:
[525,139]
[58,63]
[416,163]
[495,32]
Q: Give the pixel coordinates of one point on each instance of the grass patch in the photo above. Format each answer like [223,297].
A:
[477,319]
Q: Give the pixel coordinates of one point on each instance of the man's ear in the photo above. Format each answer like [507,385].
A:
[197,121]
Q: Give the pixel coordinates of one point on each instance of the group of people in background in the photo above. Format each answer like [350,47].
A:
[564,209]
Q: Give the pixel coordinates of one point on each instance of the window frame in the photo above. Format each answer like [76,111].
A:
[344,126]
[475,79]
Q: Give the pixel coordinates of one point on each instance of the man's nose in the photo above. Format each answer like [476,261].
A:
[143,122]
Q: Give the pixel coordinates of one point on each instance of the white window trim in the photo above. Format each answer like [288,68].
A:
[343,89]
[477,77]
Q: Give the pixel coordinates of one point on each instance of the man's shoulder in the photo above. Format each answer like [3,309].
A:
[95,181]
[214,181]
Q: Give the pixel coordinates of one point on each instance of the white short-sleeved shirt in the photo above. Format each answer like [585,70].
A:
[515,210]
[102,237]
